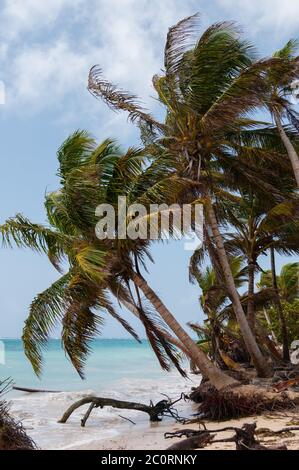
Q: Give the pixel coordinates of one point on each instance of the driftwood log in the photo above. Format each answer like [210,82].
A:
[34,390]
[155,412]
[194,442]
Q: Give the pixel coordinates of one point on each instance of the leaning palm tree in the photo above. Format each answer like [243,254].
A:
[279,92]
[208,89]
[91,175]
[82,293]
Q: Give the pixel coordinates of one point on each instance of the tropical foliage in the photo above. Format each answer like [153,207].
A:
[211,149]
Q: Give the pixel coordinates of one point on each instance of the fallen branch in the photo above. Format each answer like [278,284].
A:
[244,438]
[195,442]
[155,412]
[127,419]
[34,390]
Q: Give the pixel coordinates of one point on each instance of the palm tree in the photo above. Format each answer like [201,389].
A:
[214,297]
[279,90]
[208,91]
[287,282]
[80,294]
[260,227]
[286,288]
[91,175]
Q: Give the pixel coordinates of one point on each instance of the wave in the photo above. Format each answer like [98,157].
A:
[40,412]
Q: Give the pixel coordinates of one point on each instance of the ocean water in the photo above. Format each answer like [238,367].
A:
[110,361]
[116,368]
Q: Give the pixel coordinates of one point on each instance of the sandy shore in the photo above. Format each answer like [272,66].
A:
[107,430]
[151,437]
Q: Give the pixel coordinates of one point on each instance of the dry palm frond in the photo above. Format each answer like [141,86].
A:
[119,100]
[180,38]
[12,433]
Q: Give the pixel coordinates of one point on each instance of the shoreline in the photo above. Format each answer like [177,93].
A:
[40,413]
[151,437]
[106,430]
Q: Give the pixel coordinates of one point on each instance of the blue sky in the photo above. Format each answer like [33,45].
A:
[46,50]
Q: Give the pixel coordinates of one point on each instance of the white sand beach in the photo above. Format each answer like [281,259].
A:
[151,437]
[107,430]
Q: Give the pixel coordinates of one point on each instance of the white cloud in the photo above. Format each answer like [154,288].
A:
[22,15]
[46,66]
[52,45]
[48,72]
[274,17]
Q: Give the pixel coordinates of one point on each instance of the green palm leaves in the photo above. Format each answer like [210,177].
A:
[210,148]
[288,281]
[90,175]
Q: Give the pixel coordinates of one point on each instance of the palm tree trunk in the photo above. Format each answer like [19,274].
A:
[263,333]
[250,301]
[284,331]
[293,156]
[166,335]
[261,365]
[217,378]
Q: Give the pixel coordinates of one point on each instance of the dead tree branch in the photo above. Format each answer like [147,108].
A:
[244,438]
[155,412]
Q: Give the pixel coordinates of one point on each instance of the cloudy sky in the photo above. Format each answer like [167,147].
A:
[46,51]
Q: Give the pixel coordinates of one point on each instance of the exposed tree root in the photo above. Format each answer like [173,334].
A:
[246,400]
[155,412]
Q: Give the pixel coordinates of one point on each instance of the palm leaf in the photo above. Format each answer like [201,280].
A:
[117,99]
[45,312]
[24,234]
[75,151]
[180,39]
[80,327]
[218,58]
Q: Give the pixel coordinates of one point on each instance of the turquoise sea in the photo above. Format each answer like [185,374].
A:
[110,361]
[117,368]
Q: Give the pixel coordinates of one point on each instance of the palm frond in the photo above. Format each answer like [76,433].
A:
[75,151]
[45,312]
[218,58]
[92,262]
[117,99]
[180,38]
[106,304]
[25,234]
[242,96]
[289,51]
[80,326]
